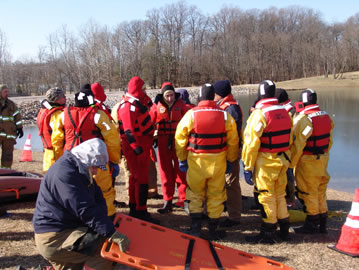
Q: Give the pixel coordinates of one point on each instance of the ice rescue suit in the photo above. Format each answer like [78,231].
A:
[136,131]
[95,123]
[267,138]
[312,129]
[46,119]
[206,137]
[166,120]
[10,121]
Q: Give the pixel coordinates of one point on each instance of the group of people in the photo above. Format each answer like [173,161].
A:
[198,148]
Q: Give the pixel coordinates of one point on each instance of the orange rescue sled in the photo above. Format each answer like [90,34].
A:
[156,247]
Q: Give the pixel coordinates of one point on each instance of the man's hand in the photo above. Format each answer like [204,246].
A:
[248,177]
[121,240]
[183,166]
[19,133]
[229,167]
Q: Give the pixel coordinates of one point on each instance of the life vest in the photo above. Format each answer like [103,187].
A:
[207,137]
[228,101]
[143,125]
[43,124]
[318,142]
[276,136]
[168,118]
[79,125]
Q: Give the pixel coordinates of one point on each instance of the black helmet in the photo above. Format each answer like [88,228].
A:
[266,89]
[308,97]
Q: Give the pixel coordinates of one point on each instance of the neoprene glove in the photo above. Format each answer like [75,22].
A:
[19,132]
[121,240]
[229,167]
[183,166]
[290,175]
[114,169]
[248,177]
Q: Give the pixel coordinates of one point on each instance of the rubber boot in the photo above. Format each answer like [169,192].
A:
[323,223]
[132,207]
[256,204]
[284,229]
[167,208]
[310,225]
[144,215]
[196,225]
[214,233]
[266,235]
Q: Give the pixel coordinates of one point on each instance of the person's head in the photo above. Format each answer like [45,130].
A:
[281,95]
[56,95]
[266,89]
[98,92]
[308,97]
[136,87]
[206,92]
[168,93]
[222,89]
[184,95]
[4,90]
[85,97]
[91,154]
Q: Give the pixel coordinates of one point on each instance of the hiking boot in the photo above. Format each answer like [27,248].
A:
[284,225]
[196,225]
[310,225]
[323,218]
[167,208]
[214,233]
[145,216]
[119,204]
[266,235]
[229,223]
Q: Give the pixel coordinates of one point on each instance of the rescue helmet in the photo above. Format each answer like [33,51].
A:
[206,92]
[266,89]
[84,97]
[308,97]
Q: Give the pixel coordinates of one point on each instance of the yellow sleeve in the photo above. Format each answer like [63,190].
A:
[58,134]
[232,139]
[256,124]
[111,136]
[302,130]
[183,130]
[114,114]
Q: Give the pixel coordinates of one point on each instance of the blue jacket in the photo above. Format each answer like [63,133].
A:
[68,199]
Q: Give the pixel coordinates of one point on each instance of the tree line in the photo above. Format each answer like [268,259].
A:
[179,43]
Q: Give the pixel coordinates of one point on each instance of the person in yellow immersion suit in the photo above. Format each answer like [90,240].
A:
[267,138]
[206,145]
[86,121]
[50,111]
[313,131]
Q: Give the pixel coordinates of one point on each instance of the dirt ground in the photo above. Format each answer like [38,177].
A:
[302,252]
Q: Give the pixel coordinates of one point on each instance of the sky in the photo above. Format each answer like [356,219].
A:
[28,23]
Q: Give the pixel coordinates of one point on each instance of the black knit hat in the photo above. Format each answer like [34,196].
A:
[206,92]
[308,97]
[167,86]
[84,97]
[281,95]
[222,88]
[266,89]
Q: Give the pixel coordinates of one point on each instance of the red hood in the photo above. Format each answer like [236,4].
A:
[98,92]
[136,88]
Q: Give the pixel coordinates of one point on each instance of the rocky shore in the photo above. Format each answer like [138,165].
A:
[30,106]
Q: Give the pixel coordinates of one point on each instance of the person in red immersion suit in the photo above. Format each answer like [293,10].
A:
[166,114]
[136,129]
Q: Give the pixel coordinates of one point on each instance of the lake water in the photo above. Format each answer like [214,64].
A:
[341,104]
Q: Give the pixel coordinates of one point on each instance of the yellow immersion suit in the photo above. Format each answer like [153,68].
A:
[269,173]
[206,171]
[310,171]
[113,142]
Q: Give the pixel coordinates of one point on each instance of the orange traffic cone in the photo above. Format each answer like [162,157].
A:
[27,153]
[349,238]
